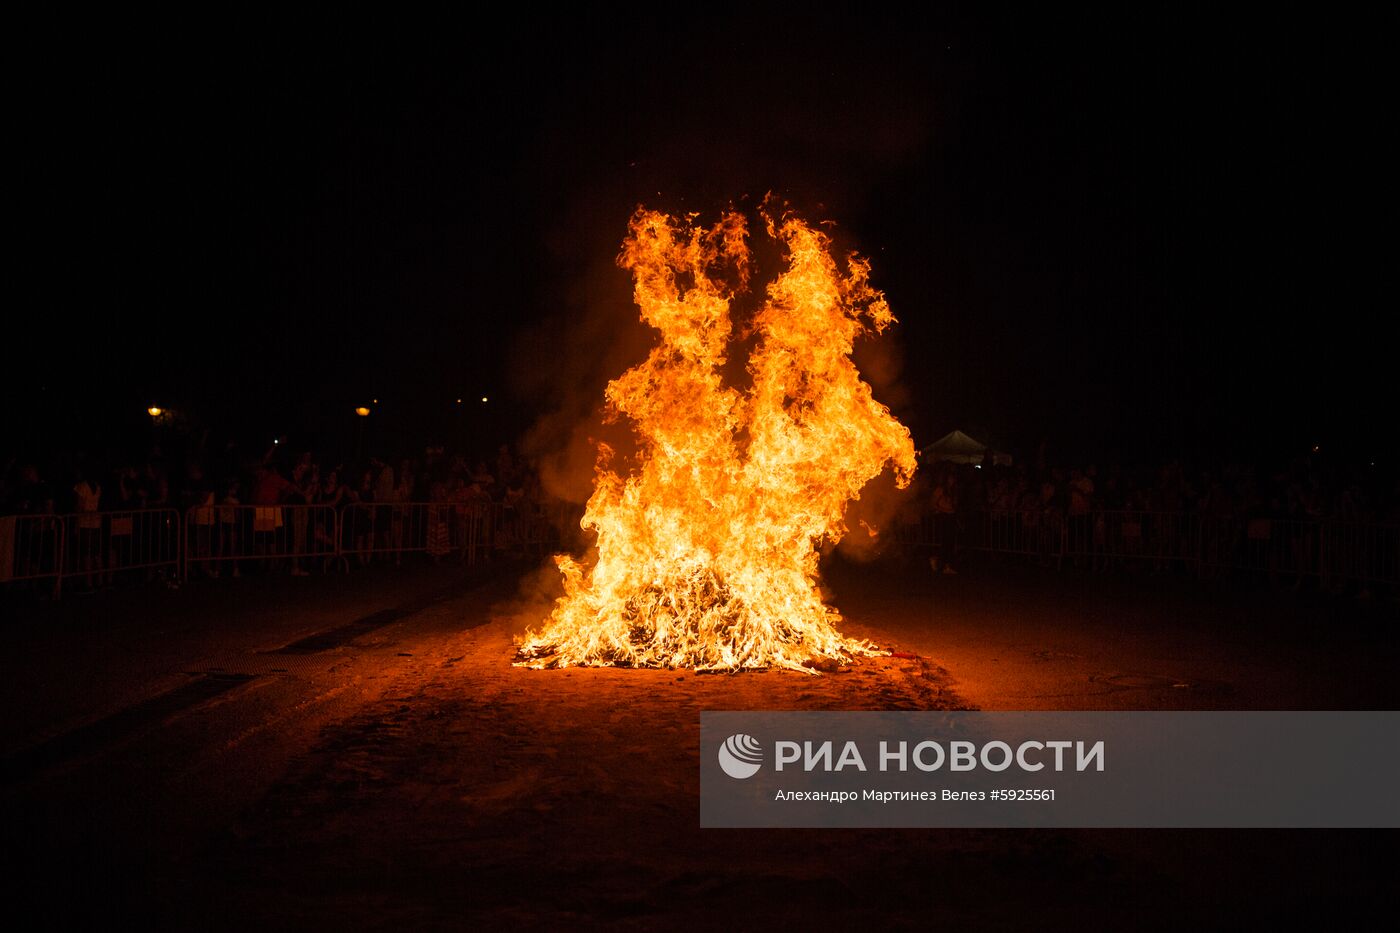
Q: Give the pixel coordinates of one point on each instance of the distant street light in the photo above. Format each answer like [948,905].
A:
[155,412]
[483,400]
[363,412]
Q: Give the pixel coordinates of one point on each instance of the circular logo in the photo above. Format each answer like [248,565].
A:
[740,756]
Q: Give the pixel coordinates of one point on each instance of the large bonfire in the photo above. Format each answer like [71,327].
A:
[707,548]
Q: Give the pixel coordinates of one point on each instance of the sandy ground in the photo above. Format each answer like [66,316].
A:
[360,753]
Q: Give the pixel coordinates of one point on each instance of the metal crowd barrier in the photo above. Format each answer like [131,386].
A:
[383,529]
[471,531]
[235,536]
[362,532]
[1120,537]
[1032,532]
[1328,550]
[102,546]
[93,548]
[31,548]
[522,527]
[1359,551]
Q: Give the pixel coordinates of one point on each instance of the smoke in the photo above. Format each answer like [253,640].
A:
[564,362]
[535,595]
[871,520]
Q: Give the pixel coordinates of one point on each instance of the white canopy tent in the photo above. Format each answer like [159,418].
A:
[957,447]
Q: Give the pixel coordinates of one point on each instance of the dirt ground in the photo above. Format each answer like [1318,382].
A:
[359,753]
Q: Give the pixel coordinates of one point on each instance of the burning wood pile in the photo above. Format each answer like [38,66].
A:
[707,542]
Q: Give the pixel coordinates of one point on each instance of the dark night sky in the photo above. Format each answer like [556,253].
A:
[1137,236]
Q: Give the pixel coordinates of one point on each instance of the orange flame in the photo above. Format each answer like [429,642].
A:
[706,552]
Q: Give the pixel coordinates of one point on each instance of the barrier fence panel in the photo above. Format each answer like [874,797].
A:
[231,537]
[1361,552]
[1109,538]
[89,549]
[1032,532]
[100,547]
[31,548]
[381,529]
[474,531]
[518,528]
[1331,551]
[1267,547]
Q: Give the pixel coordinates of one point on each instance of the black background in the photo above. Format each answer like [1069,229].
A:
[1136,236]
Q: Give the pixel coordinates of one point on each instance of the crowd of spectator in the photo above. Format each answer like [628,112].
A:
[1167,512]
[1305,520]
[119,519]
[1301,490]
[94,484]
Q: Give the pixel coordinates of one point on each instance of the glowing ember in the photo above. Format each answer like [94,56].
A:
[707,550]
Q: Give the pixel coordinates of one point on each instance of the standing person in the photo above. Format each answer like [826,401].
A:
[482,485]
[481,477]
[36,541]
[360,534]
[1081,503]
[31,495]
[306,479]
[156,486]
[945,507]
[121,525]
[384,494]
[198,501]
[153,543]
[1052,519]
[439,513]
[505,465]
[87,499]
[329,493]
[404,531]
[458,495]
[270,490]
[228,524]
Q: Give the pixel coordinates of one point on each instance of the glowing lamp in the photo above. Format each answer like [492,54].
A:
[154,411]
[362,411]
